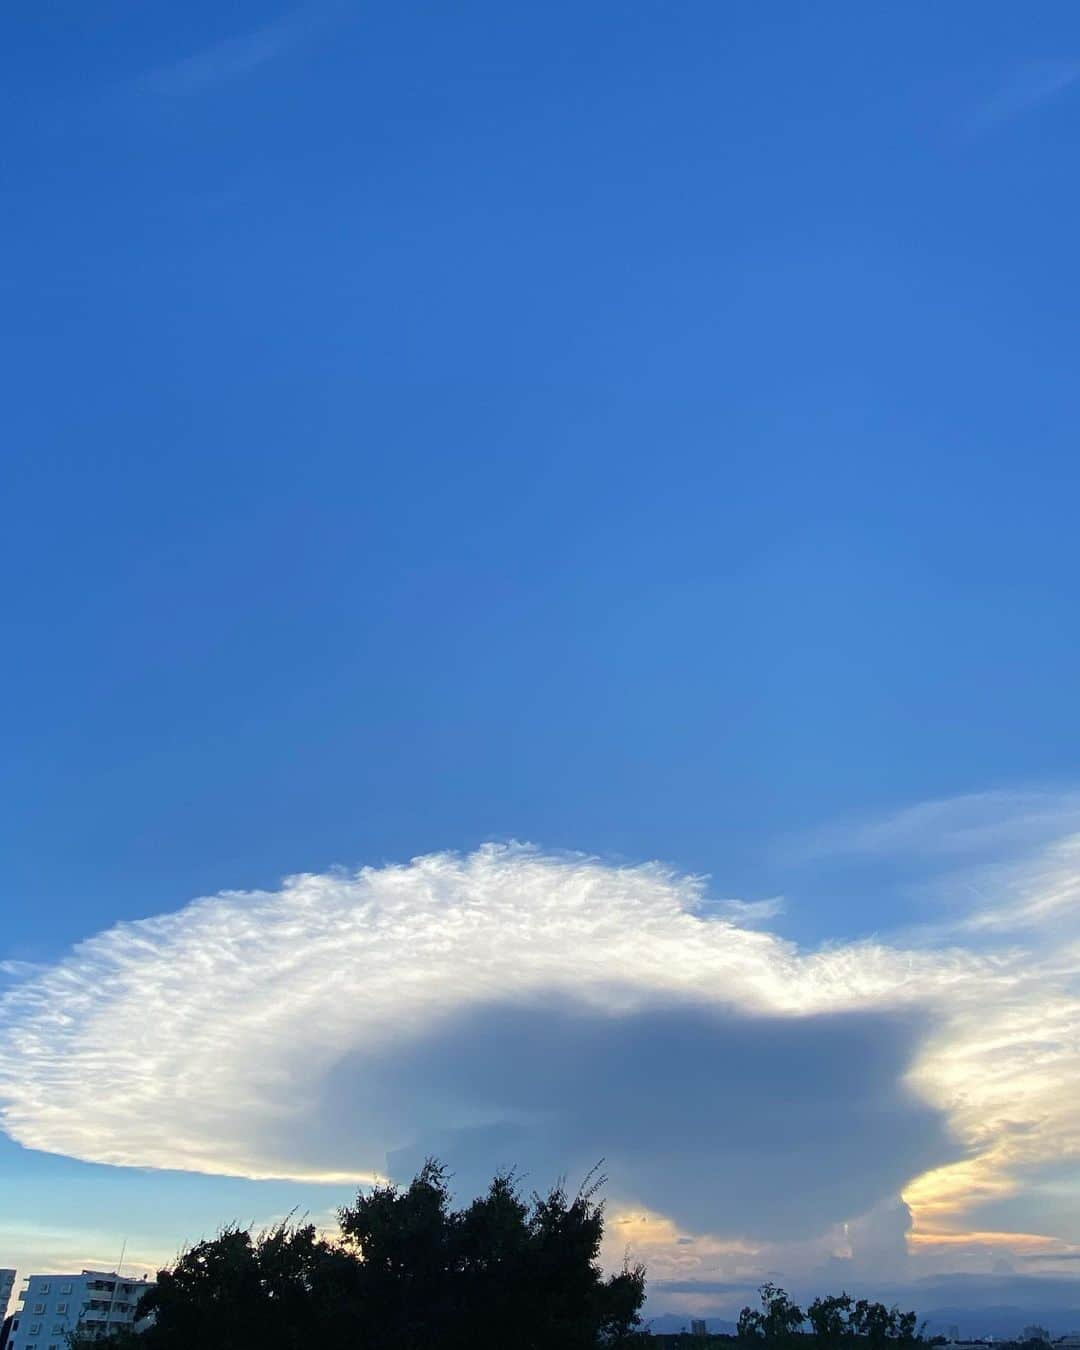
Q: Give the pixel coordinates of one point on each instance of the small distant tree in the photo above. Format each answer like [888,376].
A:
[879,1325]
[828,1318]
[836,1320]
[775,1322]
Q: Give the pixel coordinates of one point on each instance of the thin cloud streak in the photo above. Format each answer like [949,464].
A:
[971,825]
[1028,89]
[235,57]
[751,912]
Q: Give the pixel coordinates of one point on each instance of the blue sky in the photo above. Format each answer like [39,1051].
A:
[646,430]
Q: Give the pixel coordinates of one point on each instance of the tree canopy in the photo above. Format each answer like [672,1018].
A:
[835,1321]
[407,1272]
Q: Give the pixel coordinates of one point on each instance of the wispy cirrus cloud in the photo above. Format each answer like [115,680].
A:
[749,912]
[236,56]
[975,825]
[1026,89]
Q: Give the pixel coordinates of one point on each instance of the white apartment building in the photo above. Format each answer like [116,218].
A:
[52,1306]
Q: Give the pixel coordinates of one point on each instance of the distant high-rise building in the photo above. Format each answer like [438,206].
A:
[7,1284]
[97,1302]
[699,1327]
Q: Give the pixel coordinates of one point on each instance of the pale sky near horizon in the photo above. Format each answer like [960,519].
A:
[541,586]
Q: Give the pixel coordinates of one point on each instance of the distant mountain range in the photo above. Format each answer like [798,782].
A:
[978,1306]
[1001,1322]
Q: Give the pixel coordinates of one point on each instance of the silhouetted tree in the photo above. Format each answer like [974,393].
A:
[837,1322]
[500,1272]
[408,1273]
[828,1318]
[775,1323]
[878,1324]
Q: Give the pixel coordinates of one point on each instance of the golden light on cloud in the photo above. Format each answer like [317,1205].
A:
[214,1074]
[946,1194]
[1028,1243]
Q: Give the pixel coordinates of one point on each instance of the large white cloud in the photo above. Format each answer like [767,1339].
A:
[511,1006]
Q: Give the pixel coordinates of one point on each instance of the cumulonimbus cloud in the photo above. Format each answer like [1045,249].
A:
[511,1006]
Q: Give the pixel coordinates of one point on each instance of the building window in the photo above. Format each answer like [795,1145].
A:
[65,1288]
[39,1308]
[35,1327]
[45,1286]
[58,1329]
[61,1307]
